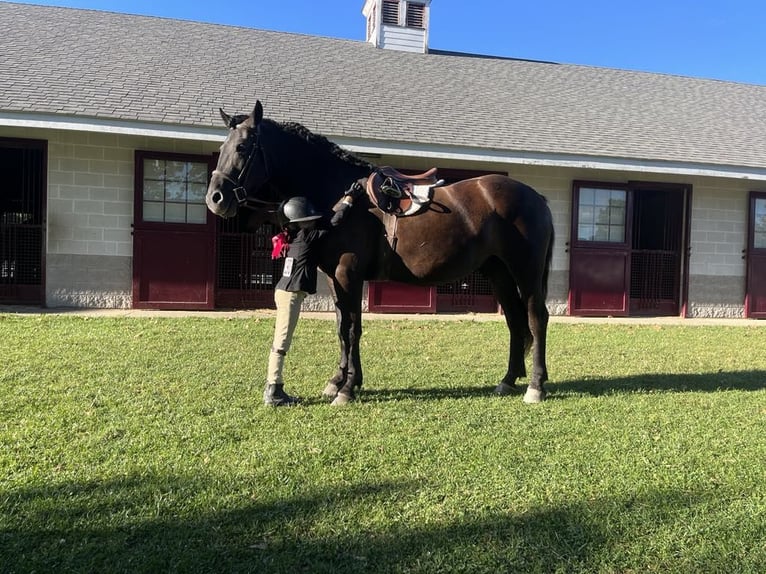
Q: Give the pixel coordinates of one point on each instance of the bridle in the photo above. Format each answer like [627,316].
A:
[239,191]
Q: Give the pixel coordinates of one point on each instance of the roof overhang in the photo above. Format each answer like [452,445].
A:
[112,126]
[392,148]
[518,157]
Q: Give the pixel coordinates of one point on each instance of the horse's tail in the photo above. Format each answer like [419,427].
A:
[528,339]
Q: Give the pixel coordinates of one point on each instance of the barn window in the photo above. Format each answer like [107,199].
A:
[416,15]
[760,224]
[601,215]
[174,191]
[391,12]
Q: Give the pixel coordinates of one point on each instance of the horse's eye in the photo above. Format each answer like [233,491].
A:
[240,147]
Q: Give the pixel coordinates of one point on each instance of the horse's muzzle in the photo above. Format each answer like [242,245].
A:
[220,201]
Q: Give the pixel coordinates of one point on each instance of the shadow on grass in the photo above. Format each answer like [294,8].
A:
[673,383]
[110,527]
[432,394]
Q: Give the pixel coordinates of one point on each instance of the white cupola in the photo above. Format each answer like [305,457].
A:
[398,24]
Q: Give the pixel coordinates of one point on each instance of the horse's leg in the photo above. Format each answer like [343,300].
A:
[347,294]
[339,378]
[351,331]
[538,325]
[507,294]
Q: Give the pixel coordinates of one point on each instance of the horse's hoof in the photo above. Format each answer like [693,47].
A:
[504,389]
[534,396]
[330,391]
[342,399]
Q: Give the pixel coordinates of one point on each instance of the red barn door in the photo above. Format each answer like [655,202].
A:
[755,296]
[174,233]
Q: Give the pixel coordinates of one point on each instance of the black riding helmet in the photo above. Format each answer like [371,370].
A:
[297,210]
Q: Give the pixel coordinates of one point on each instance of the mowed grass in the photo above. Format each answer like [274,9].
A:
[141,445]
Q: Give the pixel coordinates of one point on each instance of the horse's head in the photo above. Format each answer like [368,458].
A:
[262,162]
[241,171]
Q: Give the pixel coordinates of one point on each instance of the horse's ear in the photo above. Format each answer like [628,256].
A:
[225,117]
[257,113]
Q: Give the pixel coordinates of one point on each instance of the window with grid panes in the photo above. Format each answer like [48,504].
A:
[601,215]
[174,191]
[759,231]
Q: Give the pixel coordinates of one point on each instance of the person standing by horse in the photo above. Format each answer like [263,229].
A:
[305,229]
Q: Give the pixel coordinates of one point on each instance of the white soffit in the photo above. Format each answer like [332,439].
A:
[519,157]
[404,149]
[104,126]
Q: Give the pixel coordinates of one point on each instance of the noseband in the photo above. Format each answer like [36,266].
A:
[240,193]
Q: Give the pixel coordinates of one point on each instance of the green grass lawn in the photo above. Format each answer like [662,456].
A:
[141,445]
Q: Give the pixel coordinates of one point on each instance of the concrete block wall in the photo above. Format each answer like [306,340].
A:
[718,236]
[718,230]
[90,212]
[90,215]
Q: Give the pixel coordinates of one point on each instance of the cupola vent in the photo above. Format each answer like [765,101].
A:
[398,24]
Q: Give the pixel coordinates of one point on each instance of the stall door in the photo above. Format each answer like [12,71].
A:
[246,273]
[22,221]
[599,264]
[174,233]
[627,255]
[755,297]
[395,297]
[470,294]
[656,257]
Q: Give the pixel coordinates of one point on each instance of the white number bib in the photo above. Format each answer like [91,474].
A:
[288,270]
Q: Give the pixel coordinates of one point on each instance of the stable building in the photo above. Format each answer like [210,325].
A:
[109,129]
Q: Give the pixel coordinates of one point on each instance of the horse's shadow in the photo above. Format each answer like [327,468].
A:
[595,386]
[432,394]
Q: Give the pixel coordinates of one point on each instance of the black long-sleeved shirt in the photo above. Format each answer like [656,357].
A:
[300,270]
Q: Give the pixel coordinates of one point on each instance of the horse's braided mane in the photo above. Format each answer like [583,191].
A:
[315,139]
[321,141]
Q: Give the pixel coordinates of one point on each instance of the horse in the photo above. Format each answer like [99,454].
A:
[492,223]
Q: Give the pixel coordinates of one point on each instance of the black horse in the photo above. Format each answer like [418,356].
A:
[491,223]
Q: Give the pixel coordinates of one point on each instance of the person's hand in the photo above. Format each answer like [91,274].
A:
[355,190]
[340,214]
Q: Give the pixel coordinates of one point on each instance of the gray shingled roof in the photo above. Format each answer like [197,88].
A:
[120,67]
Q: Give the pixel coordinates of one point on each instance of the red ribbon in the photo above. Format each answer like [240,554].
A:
[280,243]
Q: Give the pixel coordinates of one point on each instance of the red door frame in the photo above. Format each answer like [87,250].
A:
[183,276]
[599,272]
[755,278]
[667,307]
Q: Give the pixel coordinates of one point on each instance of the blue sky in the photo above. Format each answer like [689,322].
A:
[701,38]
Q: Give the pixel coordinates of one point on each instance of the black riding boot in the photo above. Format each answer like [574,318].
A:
[275,396]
